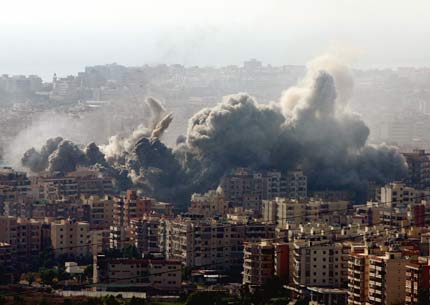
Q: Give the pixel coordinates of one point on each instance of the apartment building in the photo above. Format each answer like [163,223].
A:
[417,283]
[287,211]
[28,238]
[8,231]
[132,206]
[138,274]
[91,182]
[209,204]
[70,237]
[53,187]
[72,185]
[358,278]
[398,194]
[319,263]
[245,188]
[297,185]
[210,243]
[262,260]
[147,233]
[258,262]
[23,235]
[101,211]
[13,184]
[5,254]
[387,276]
[418,168]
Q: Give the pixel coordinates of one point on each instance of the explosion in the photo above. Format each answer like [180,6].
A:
[310,127]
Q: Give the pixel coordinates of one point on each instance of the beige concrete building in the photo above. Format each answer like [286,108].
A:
[258,262]
[264,259]
[286,211]
[218,244]
[397,194]
[101,211]
[13,184]
[209,204]
[387,276]
[156,273]
[29,237]
[146,234]
[245,188]
[319,263]
[358,278]
[70,237]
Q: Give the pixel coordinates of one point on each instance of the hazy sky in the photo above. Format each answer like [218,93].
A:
[47,36]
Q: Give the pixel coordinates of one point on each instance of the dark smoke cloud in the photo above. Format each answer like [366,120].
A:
[38,161]
[309,128]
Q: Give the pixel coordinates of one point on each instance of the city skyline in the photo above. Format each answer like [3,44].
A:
[205,33]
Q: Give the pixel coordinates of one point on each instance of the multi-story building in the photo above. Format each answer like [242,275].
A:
[247,189]
[319,263]
[8,231]
[209,204]
[138,273]
[49,187]
[13,185]
[418,169]
[297,185]
[90,182]
[101,211]
[387,276]
[417,282]
[132,206]
[29,238]
[70,237]
[358,278]
[258,261]
[397,194]
[72,185]
[264,259]
[23,235]
[283,211]
[5,255]
[210,243]
[147,234]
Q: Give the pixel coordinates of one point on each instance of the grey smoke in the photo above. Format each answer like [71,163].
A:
[119,146]
[311,127]
[38,161]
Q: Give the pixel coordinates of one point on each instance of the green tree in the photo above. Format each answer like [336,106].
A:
[48,276]
[18,300]
[272,288]
[206,298]
[302,302]
[245,295]
[110,300]
[136,301]
[43,302]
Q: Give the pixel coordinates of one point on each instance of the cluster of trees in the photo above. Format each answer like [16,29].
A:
[110,300]
[271,293]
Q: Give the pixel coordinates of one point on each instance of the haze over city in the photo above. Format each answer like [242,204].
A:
[45,36]
[215,152]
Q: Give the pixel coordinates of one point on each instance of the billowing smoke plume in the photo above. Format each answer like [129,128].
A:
[159,122]
[310,128]
[126,159]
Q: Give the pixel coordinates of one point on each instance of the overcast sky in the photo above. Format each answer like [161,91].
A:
[47,36]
